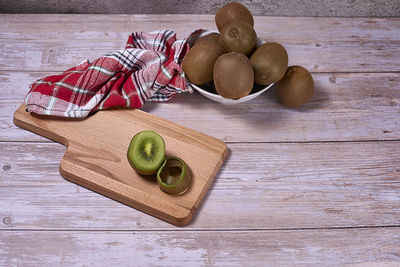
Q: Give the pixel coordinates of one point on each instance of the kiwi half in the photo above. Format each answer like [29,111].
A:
[146,152]
[173,176]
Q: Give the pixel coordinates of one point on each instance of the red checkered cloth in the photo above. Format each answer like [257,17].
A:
[148,69]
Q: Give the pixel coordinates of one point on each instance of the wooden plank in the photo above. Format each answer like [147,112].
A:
[375,247]
[43,42]
[64,26]
[96,158]
[345,107]
[261,186]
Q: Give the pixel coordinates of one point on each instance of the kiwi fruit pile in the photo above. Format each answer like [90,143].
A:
[146,154]
[231,62]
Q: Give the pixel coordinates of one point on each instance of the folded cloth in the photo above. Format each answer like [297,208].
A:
[148,69]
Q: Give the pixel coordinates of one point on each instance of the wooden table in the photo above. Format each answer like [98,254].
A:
[312,186]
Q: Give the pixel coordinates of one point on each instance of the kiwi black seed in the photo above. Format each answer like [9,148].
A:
[212,37]
[296,87]
[238,36]
[233,75]
[233,11]
[270,61]
[146,152]
[199,62]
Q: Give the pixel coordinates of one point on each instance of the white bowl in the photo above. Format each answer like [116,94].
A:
[205,89]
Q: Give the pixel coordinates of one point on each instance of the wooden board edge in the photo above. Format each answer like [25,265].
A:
[215,141]
[21,119]
[211,179]
[176,215]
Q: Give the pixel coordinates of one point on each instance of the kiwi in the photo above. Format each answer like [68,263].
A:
[296,87]
[146,152]
[199,62]
[270,61]
[173,176]
[238,36]
[232,12]
[212,37]
[233,75]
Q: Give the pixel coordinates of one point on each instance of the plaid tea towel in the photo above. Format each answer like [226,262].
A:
[148,69]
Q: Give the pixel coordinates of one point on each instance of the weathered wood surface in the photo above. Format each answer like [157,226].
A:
[319,44]
[345,107]
[375,247]
[261,186]
[96,158]
[317,185]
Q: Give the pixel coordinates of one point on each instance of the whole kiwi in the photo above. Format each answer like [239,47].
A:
[199,62]
[213,37]
[238,36]
[233,11]
[296,87]
[270,61]
[233,75]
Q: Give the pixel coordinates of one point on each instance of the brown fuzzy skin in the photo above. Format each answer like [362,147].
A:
[198,64]
[238,36]
[296,88]
[232,12]
[233,75]
[212,37]
[270,61]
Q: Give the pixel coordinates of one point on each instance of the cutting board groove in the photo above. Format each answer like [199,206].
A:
[96,158]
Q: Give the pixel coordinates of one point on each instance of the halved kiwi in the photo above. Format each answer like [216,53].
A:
[173,176]
[146,152]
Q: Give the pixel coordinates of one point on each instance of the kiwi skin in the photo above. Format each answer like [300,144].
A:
[212,37]
[233,75]
[296,88]
[233,11]
[238,36]
[199,62]
[270,61]
[133,146]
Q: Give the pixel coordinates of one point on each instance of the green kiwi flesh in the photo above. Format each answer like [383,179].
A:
[199,62]
[238,36]
[212,37]
[146,152]
[233,75]
[296,87]
[233,11]
[173,176]
[270,61]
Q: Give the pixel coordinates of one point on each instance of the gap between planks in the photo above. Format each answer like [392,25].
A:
[183,229]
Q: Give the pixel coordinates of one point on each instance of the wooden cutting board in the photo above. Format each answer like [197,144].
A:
[96,158]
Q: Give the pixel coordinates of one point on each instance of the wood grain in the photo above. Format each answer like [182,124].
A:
[345,107]
[96,158]
[294,181]
[57,42]
[261,186]
[210,248]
